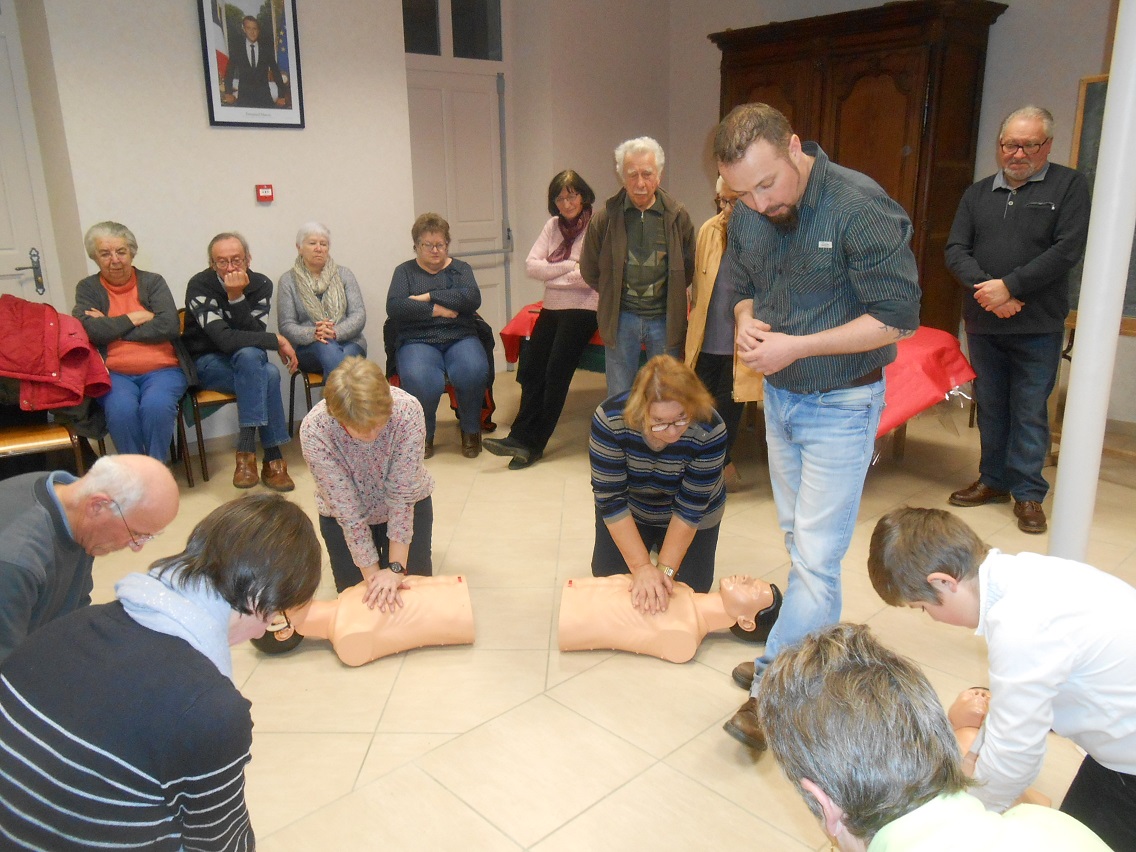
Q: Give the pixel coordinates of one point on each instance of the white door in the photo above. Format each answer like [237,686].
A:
[20,230]
[455,152]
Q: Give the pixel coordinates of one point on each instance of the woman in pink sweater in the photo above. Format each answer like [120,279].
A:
[565,325]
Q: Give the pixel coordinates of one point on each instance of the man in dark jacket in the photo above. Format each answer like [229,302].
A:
[226,332]
[639,256]
[1015,237]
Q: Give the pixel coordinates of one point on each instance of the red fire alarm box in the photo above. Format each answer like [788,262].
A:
[264,192]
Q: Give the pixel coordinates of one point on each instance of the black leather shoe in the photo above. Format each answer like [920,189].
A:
[978,493]
[745,728]
[508,447]
[521,461]
[1031,517]
[743,675]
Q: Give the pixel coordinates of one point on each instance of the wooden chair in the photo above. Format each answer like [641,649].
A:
[198,400]
[40,438]
[311,380]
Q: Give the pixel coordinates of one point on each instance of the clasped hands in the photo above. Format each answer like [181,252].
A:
[762,349]
[994,296]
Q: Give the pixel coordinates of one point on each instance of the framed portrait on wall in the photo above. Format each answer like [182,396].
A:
[251,53]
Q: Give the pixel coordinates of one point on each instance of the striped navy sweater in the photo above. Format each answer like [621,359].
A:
[683,478]
[115,736]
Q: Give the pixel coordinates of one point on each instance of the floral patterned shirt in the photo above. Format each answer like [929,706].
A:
[361,484]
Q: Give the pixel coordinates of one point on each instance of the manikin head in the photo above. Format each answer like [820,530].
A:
[744,597]
[970,708]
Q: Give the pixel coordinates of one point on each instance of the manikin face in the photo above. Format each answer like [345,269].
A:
[970,708]
[768,182]
[668,414]
[1017,165]
[314,250]
[641,178]
[115,259]
[432,251]
[744,597]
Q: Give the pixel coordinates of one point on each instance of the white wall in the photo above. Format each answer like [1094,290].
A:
[141,149]
[588,74]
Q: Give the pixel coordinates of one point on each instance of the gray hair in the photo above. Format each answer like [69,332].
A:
[227,235]
[310,228]
[109,231]
[1040,113]
[862,723]
[641,145]
[115,478]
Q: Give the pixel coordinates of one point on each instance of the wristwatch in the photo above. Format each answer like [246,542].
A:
[667,570]
[397,567]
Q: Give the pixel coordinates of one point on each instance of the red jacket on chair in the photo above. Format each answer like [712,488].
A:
[50,354]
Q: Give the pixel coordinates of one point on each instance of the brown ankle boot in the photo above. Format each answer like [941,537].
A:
[274,475]
[471,444]
[245,474]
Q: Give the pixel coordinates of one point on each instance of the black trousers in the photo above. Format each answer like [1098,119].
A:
[548,361]
[343,567]
[696,568]
[717,373]
[1105,801]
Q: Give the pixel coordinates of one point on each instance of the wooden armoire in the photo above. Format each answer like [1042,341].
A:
[894,92]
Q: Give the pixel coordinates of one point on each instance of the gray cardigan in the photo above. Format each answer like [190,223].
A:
[299,329]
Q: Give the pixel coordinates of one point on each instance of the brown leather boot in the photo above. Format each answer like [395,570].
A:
[745,728]
[274,475]
[245,474]
[471,444]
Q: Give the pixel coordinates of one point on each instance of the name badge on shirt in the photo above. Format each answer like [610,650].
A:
[825,244]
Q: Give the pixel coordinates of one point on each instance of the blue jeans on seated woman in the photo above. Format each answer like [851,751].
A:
[142,411]
[324,357]
[424,367]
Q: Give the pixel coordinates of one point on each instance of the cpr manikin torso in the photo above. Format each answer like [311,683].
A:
[596,612]
[435,611]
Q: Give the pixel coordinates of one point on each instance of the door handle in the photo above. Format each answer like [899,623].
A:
[37,270]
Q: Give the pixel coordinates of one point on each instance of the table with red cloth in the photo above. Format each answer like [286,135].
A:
[928,365]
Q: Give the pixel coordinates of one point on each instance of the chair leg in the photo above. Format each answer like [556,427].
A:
[292,404]
[181,449]
[200,443]
[79,466]
[308,391]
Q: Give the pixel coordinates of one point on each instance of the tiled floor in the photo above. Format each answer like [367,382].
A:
[510,744]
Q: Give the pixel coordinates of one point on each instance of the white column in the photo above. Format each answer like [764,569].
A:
[1111,226]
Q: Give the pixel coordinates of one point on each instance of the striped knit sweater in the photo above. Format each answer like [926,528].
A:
[683,479]
[114,736]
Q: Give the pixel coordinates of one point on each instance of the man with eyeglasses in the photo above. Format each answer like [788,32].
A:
[226,332]
[1015,237]
[53,525]
[639,256]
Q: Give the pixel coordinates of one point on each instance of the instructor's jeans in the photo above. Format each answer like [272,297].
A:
[820,445]
[255,382]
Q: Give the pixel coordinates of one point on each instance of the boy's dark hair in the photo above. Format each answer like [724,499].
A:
[908,544]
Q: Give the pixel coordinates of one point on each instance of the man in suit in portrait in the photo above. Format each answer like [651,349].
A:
[251,66]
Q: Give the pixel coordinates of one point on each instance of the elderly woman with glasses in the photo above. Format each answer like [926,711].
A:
[130,315]
[657,453]
[433,301]
[321,307]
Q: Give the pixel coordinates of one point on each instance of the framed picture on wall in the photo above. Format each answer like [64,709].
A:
[251,53]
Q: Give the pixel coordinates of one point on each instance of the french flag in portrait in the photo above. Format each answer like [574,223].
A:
[220,39]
